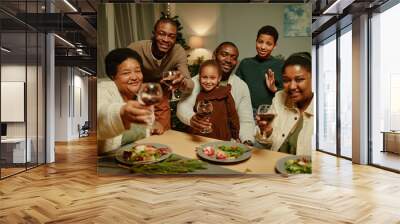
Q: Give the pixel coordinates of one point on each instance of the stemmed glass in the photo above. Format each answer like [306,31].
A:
[150,94]
[204,111]
[167,79]
[264,113]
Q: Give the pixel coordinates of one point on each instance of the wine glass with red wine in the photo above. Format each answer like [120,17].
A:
[265,114]
[150,94]
[167,79]
[204,111]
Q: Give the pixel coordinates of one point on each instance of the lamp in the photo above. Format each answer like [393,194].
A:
[337,7]
[196,42]
[5,50]
[70,5]
[65,41]
[84,71]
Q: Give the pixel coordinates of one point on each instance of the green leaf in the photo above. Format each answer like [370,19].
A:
[172,165]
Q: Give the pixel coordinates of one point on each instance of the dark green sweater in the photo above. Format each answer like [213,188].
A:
[252,71]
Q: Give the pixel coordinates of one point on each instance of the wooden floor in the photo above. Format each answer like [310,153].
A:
[10,171]
[70,191]
[387,159]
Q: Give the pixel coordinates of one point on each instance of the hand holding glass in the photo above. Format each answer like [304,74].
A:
[167,79]
[150,94]
[204,111]
[264,120]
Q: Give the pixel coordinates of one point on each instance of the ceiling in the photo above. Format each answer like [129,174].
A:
[77,27]
[330,15]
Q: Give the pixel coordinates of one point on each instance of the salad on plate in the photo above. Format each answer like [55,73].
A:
[143,154]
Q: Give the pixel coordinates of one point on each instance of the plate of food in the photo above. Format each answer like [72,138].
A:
[146,153]
[224,152]
[294,165]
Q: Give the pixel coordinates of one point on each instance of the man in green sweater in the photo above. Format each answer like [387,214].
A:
[263,72]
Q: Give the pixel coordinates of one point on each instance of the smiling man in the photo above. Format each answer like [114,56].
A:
[226,55]
[160,54]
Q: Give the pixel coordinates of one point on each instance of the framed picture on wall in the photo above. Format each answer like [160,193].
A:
[297,20]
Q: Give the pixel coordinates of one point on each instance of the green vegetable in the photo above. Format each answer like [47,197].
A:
[232,151]
[172,165]
[293,166]
[143,155]
[290,162]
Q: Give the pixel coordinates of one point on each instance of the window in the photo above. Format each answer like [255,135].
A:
[327,95]
[346,92]
[385,87]
[22,67]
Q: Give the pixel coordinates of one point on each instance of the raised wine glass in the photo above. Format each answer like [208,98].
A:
[265,114]
[150,94]
[167,78]
[204,111]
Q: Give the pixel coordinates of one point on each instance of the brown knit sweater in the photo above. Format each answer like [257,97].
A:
[224,118]
[176,59]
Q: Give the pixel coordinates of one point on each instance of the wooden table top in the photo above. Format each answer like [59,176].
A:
[262,161]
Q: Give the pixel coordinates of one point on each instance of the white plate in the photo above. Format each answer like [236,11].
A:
[280,164]
[129,147]
[245,156]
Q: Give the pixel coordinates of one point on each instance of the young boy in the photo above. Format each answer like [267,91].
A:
[224,117]
[263,68]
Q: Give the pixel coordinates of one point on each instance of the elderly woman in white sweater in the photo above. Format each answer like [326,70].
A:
[292,128]
[119,116]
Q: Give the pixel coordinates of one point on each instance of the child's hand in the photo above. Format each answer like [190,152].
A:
[199,124]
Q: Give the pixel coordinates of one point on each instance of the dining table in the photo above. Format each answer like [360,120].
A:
[262,161]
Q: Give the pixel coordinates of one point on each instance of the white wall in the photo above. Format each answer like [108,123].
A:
[239,24]
[12,73]
[200,20]
[80,84]
[70,84]
[34,124]
[61,103]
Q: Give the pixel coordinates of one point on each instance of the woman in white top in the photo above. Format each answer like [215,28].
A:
[118,114]
[292,128]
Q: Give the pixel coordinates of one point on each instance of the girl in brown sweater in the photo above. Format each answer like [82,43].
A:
[224,117]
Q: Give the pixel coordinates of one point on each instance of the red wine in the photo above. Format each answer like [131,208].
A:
[150,100]
[266,117]
[204,114]
[168,77]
